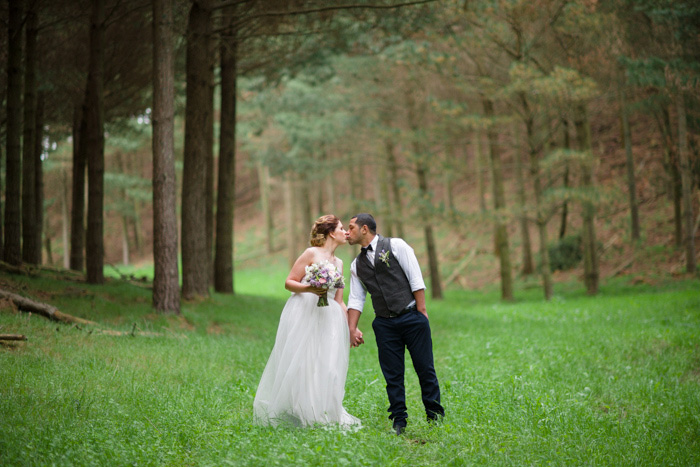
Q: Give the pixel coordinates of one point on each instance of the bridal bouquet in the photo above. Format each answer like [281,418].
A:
[324,275]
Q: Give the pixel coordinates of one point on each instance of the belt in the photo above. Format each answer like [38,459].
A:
[404,311]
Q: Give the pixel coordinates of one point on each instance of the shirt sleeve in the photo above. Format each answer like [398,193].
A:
[409,263]
[358,293]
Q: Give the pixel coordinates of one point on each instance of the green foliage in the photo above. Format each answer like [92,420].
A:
[566,253]
[289,126]
[560,86]
[129,134]
[606,380]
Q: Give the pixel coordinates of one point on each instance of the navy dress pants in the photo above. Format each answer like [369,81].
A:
[410,331]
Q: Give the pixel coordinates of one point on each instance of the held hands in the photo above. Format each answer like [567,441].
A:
[356,338]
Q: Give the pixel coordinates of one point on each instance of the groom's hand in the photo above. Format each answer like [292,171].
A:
[356,338]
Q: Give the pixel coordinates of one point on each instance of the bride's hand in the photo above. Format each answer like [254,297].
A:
[316,290]
[356,338]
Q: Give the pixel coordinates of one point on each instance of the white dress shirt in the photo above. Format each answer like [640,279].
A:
[406,257]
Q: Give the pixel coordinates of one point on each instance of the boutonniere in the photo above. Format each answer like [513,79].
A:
[384,257]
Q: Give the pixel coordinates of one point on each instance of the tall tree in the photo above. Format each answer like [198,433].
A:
[499,204]
[686,173]
[421,162]
[223,262]
[528,264]
[591,274]
[77,214]
[31,251]
[565,179]
[537,175]
[395,184]
[195,267]
[13,173]
[629,158]
[166,286]
[93,139]
[39,172]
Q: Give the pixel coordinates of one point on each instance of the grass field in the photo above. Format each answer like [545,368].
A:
[606,380]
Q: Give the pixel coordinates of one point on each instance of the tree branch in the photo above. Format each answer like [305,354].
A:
[43,309]
[332,8]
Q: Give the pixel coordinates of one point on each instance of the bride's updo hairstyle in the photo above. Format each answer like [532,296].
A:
[323,226]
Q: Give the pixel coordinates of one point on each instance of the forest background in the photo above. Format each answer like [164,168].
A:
[532,141]
[541,156]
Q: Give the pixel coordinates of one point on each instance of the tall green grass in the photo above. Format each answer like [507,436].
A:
[607,380]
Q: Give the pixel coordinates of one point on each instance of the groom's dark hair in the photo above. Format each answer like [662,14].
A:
[366,219]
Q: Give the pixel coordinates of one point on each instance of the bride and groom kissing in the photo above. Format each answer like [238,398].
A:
[303,383]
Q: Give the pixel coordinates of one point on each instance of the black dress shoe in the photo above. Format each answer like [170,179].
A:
[399,428]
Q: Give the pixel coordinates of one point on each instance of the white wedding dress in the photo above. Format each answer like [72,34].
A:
[304,380]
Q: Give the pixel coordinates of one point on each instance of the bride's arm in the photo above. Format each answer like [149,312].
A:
[293,282]
[339,292]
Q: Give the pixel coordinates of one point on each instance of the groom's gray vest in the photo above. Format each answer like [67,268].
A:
[386,284]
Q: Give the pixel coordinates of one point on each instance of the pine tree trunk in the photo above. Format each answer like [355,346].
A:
[225,203]
[686,183]
[291,218]
[125,240]
[528,267]
[319,184]
[136,226]
[499,204]
[449,173]
[307,218]
[330,190]
[2,170]
[3,95]
[423,196]
[47,243]
[12,252]
[383,190]
[590,253]
[629,157]
[264,182]
[166,287]
[134,220]
[565,179]
[480,171]
[195,267]
[435,281]
[31,252]
[65,219]
[77,233]
[125,217]
[210,202]
[39,173]
[397,200]
[537,188]
[673,175]
[94,142]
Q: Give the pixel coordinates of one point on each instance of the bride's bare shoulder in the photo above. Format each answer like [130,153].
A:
[307,257]
[311,254]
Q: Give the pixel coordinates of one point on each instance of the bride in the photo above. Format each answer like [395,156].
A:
[304,381]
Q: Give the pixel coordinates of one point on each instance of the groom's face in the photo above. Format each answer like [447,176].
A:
[354,233]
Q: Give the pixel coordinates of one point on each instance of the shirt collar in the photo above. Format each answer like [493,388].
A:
[374,242]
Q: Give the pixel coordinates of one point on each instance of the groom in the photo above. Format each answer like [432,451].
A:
[388,269]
